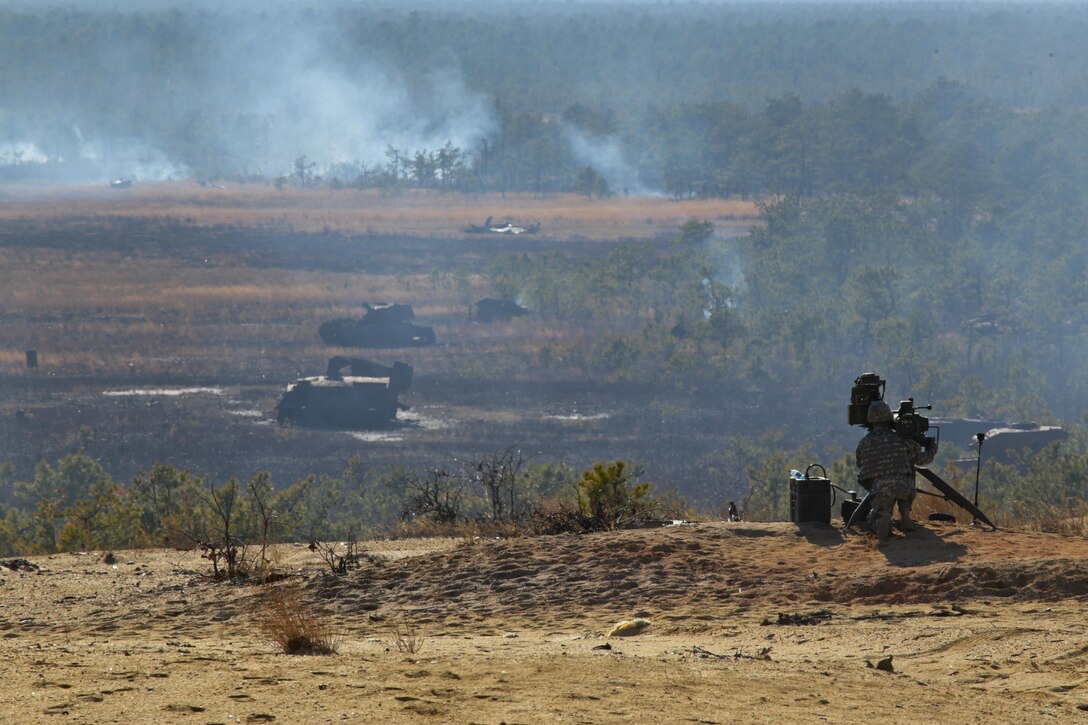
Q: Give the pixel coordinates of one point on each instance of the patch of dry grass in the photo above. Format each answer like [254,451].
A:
[370,211]
[926,505]
[53,282]
[406,637]
[1068,520]
[291,624]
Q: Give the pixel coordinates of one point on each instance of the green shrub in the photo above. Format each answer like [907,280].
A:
[609,495]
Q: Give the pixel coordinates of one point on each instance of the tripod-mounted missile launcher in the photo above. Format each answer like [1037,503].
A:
[909,423]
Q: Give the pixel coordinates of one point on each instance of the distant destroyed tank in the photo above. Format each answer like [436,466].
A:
[384,325]
[1004,443]
[490,309]
[962,431]
[504,227]
[365,398]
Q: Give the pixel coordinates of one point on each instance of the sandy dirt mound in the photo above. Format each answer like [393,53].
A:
[683,570]
[748,623]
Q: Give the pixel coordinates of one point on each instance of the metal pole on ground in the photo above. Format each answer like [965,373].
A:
[978,467]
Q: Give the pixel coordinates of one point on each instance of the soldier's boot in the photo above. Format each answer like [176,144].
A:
[905,524]
[872,520]
[883,529]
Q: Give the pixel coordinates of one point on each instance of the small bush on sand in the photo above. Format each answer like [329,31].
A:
[292,625]
[352,558]
[407,638]
[608,497]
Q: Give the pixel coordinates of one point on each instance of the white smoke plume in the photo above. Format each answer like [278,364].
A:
[606,156]
[248,93]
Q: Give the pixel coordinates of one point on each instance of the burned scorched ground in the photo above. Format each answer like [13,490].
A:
[166,325]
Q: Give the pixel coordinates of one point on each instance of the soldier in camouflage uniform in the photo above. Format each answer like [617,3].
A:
[886,462]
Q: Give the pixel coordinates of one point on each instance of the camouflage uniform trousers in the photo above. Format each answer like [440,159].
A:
[887,491]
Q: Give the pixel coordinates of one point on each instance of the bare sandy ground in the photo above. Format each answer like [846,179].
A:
[752,623]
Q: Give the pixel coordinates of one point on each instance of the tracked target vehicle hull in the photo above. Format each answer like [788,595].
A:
[367,398]
[490,310]
[360,333]
[383,326]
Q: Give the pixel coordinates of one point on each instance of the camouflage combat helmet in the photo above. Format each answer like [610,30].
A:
[879,412]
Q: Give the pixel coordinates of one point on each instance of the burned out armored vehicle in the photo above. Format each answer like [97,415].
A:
[364,398]
[382,326]
[504,227]
[490,310]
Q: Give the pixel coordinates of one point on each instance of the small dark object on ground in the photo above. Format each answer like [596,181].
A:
[19,565]
[938,516]
[954,611]
[502,227]
[352,558]
[490,309]
[787,618]
[702,652]
[605,646]
[884,664]
[763,654]
[109,558]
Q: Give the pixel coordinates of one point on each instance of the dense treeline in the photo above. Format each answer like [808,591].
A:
[76,505]
[944,144]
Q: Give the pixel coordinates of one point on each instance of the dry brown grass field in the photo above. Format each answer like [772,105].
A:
[421,213]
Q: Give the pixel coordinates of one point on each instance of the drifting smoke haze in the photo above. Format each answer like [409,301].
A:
[607,156]
[249,94]
[154,91]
